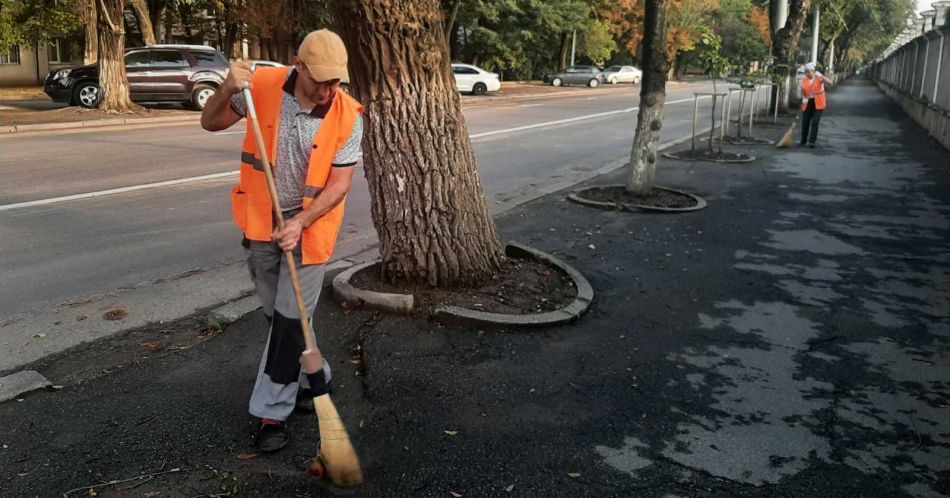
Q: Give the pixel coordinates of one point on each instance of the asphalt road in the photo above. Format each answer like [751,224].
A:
[789,340]
[69,250]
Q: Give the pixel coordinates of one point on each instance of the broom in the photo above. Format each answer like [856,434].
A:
[337,457]
[789,136]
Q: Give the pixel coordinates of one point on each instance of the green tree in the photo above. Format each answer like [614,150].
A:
[715,66]
[521,38]
[742,40]
[37,21]
[597,42]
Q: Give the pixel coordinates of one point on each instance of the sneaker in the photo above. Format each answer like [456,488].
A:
[271,436]
[811,145]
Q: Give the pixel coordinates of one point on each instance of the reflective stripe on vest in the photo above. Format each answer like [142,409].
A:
[816,90]
[250,202]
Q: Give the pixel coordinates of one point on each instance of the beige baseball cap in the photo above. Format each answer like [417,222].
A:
[324,55]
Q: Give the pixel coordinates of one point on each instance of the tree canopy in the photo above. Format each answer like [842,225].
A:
[518,38]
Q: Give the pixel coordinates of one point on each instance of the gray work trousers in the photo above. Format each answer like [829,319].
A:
[279,376]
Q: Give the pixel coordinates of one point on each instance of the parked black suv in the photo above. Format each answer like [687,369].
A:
[159,73]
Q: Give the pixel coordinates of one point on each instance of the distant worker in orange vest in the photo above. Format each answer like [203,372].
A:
[813,103]
[314,130]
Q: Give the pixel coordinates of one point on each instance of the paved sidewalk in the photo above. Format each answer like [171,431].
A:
[789,340]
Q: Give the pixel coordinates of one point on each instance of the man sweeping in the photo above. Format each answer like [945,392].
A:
[813,103]
[314,131]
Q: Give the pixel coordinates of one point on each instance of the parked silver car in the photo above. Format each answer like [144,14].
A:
[622,74]
[578,75]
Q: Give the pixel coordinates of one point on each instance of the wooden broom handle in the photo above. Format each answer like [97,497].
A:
[272,190]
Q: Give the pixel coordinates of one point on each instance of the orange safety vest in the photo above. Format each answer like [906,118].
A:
[250,202]
[814,89]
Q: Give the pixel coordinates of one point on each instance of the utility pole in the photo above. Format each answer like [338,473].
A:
[814,38]
[831,57]
[573,45]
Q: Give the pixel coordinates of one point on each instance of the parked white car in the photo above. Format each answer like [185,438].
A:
[622,74]
[474,79]
[267,64]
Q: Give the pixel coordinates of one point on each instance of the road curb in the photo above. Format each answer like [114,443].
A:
[346,292]
[21,382]
[567,314]
[96,123]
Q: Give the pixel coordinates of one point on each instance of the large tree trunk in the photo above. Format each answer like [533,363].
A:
[113,82]
[230,38]
[169,23]
[427,201]
[155,9]
[565,50]
[449,25]
[656,66]
[145,22]
[88,16]
[785,44]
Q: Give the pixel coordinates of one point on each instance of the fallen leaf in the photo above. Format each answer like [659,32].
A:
[451,433]
[92,492]
[591,247]
[116,314]
[552,229]
[154,346]
[246,456]
[39,336]
[23,474]
[456,495]
[623,337]
[509,488]
[81,318]
[574,475]
[57,388]
[153,494]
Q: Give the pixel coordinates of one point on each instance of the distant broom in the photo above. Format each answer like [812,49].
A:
[789,136]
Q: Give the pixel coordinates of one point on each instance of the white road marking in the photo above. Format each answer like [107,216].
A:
[121,190]
[229,132]
[179,181]
[569,120]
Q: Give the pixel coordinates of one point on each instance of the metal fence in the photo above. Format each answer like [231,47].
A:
[920,68]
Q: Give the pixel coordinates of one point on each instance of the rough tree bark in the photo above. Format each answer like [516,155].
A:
[88,15]
[565,50]
[427,201]
[113,82]
[449,23]
[169,22]
[145,22]
[785,43]
[656,66]
[155,10]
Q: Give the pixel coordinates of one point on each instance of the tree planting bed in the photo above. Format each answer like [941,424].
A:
[533,289]
[661,199]
[713,156]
